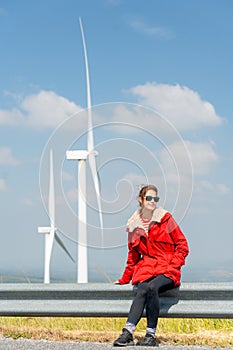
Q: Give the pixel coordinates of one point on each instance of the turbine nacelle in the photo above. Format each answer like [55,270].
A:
[79,155]
[46,229]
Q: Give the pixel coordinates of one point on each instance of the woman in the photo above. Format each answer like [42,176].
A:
[157,250]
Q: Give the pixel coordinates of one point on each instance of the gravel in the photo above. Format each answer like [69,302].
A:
[28,344]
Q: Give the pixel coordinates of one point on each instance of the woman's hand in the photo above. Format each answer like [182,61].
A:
[116,282]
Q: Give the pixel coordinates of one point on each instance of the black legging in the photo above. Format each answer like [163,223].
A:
[147,294]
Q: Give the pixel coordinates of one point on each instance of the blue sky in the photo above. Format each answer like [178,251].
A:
[147,59]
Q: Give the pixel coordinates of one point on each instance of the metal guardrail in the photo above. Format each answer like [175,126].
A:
[198,300]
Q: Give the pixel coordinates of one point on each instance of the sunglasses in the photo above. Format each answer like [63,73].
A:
[149,198]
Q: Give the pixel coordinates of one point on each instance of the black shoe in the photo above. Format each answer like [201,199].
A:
[149,340]
[124,339]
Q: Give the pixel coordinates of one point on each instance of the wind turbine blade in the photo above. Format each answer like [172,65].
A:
[92,162]
[62,245]
[90,137]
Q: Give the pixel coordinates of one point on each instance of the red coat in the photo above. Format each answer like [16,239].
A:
[161,251]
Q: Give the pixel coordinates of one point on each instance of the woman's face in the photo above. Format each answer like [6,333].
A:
[149,205]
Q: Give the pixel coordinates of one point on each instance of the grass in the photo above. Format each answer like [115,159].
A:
[212,332]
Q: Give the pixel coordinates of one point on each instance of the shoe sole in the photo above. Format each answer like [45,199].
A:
[148,345]
[122,345]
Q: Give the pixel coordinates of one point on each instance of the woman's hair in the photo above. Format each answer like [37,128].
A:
[143,191]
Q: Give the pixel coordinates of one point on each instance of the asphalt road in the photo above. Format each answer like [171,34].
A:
[25,344]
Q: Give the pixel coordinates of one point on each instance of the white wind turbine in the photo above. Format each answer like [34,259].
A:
[82,156]
[51,231]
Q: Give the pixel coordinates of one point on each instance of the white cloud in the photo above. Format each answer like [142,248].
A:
[160,32]
[43,110]
[47,109]
[126,118]
[202,156]
[17,97]
[220,189]
[3,186]
[182,106]
[12,118]
[6,157]
[179,179]
[28,202]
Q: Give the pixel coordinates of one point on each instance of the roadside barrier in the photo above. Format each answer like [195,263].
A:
[190,300]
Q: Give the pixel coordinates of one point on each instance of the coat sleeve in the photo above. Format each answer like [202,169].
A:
[132,260]
[180,242]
